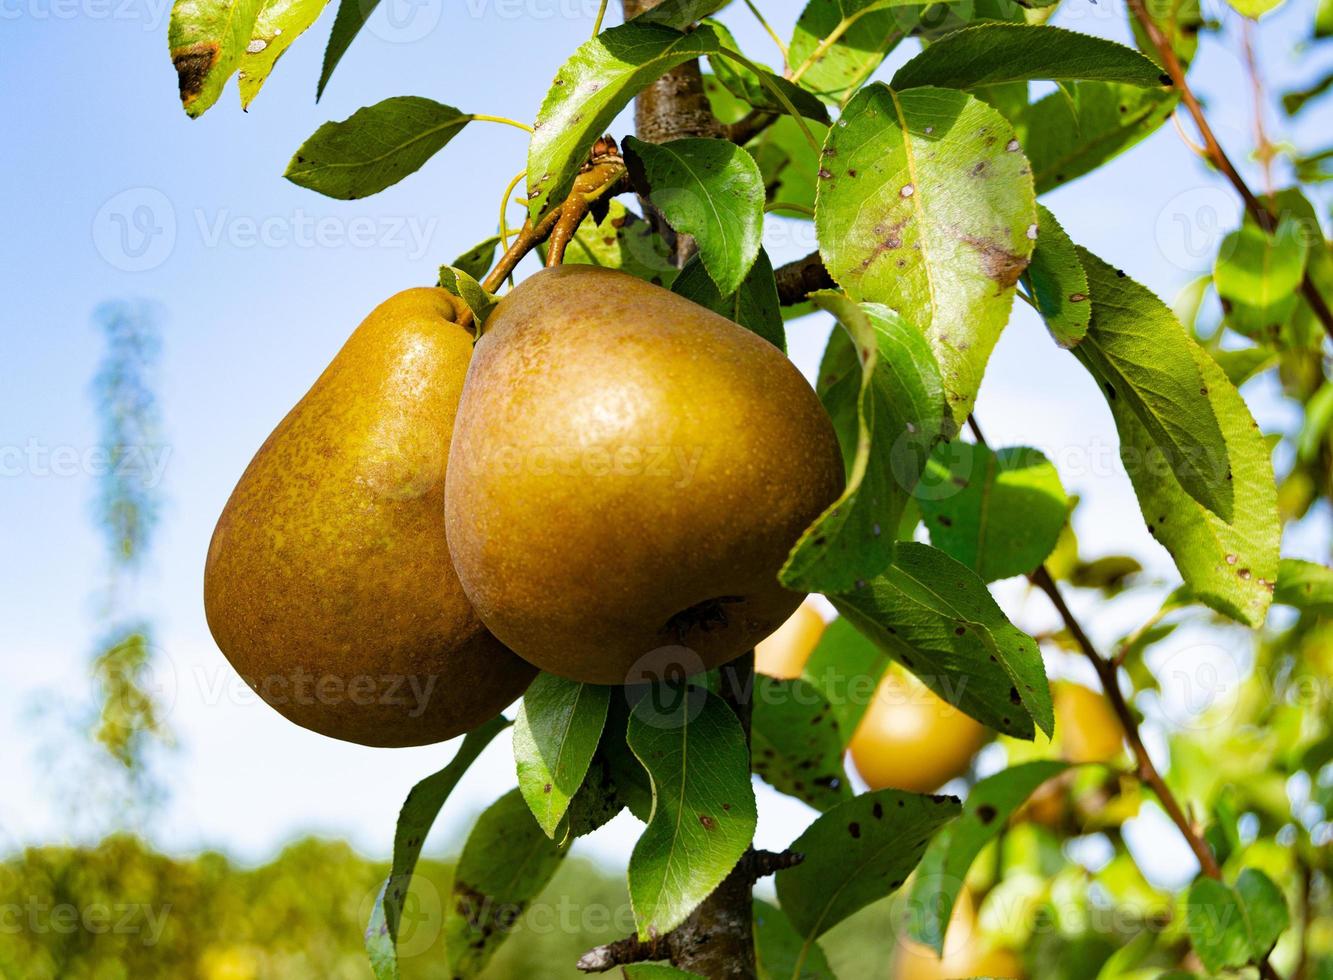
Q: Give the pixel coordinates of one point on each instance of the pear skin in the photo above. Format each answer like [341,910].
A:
[629,471]
[328,583]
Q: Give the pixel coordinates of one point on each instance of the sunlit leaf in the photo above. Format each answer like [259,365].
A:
[704,812]
[926,205]
[710,189]
[882,389]
[988,54]
[999,513]
[1057,282]
[375,147]
[935,616]
[279,23]
[555,735]
[1231,566]
[590,89]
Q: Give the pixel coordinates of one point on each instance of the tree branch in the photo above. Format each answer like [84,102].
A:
[749,126]
[1258,210]
[797,280]
[1146,770]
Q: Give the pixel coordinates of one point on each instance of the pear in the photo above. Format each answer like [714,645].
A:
[628,473]
[328,583]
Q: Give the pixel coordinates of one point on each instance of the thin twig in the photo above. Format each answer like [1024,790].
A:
[749,126]
[1260,212]
[1145,769]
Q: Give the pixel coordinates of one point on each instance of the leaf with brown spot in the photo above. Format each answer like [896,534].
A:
[844,869]
[937,225]
[505,864]
[946,861]
[207,39]
[420,808]
[704,813]
[278,24]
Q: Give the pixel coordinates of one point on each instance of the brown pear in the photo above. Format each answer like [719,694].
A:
[628,474]
[328,584]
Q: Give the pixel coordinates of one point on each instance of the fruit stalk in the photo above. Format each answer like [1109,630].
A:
[717,940]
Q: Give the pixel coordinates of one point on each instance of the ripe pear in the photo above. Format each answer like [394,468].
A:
[910,738]
[629,472]
[328,584]
[784,653]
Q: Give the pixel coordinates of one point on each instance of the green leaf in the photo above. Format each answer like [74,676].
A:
[704,812]
[555,735]
[748,86]
[945,864]
[1070,133]
[207,39]
[1057,282]
[375,147]
[419,810]
[856,853]
[1230,927]
[469,291]
[882,390]
[279,23]
[1305,585]
[999,513]
[505,864]
[1243,363]
[708,188]
[679,14]
[589,91]
[780,954]
[347,23]
[797,746]
[1254,9]
[926,205]
[477,260]
[936,617]
[754,305]
[622,240]
[1257,276]
[864,39]
[990,54]
[1230,566]
[846,668]
[1145,364]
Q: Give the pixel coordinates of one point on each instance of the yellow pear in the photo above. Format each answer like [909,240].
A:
[1086,725]
[784,653]
[628,474]
[912,739]
[967,953]
[328,584]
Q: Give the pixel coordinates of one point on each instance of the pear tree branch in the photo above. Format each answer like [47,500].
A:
[1145,768]
[1258,210]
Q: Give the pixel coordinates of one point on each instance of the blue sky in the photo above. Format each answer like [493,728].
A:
[259,282]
